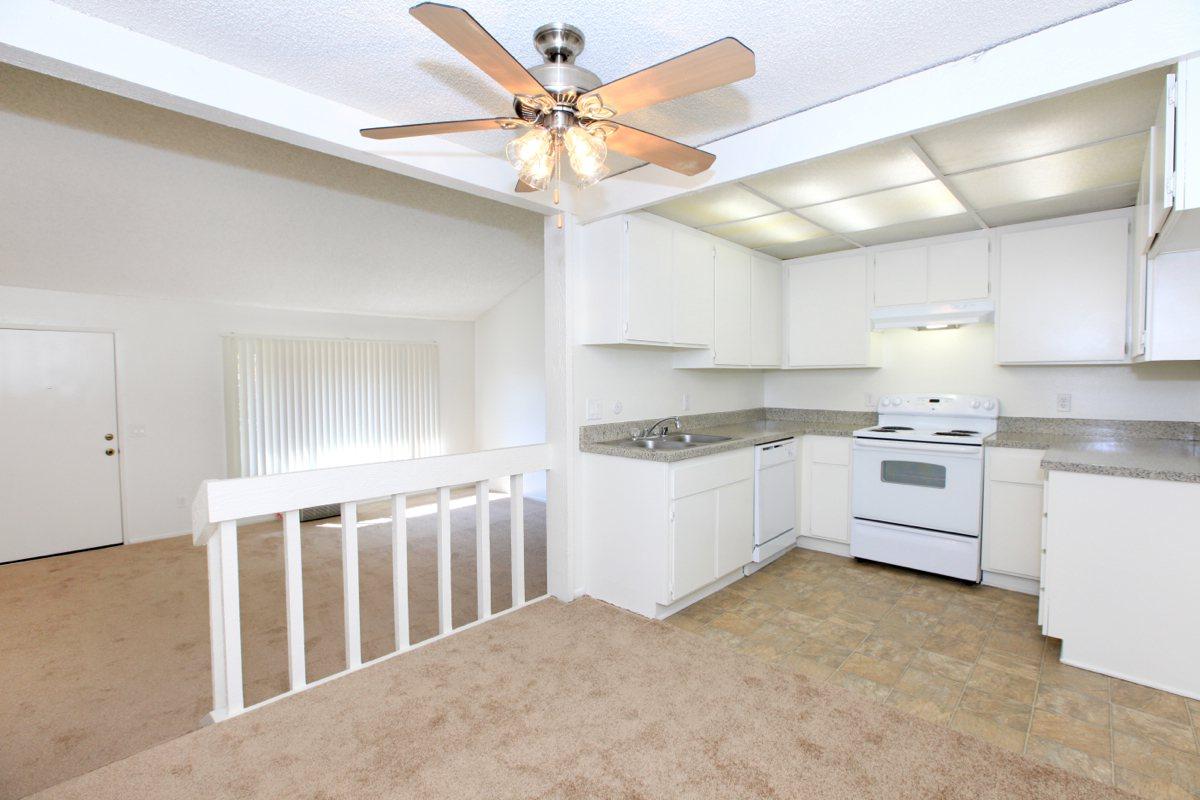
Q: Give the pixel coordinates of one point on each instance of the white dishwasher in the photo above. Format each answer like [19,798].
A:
[774,500]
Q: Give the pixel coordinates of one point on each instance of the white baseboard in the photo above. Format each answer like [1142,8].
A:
[154,537]
[663,612]
[824,545]
[1011,582]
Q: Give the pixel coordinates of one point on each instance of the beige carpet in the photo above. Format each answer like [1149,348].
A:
[578,700]
[105,654]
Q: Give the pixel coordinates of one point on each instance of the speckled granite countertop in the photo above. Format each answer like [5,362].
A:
[1152,459]
[1166,451]
[748,428]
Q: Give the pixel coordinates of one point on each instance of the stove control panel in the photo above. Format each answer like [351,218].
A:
[940,405]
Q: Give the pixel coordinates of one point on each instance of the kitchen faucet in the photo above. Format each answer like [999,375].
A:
[649,431]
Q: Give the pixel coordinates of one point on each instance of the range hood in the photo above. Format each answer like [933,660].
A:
[932,315]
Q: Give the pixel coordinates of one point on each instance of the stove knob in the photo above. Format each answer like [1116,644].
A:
[974,404]
[887,401]
[989,405]
[896,401]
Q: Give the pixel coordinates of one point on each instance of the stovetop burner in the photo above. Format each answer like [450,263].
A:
[890,429]
[956,432]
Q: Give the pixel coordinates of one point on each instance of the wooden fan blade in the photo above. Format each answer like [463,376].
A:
[668,153]
[522,186]
[434,128]
[724,61]
[460,30]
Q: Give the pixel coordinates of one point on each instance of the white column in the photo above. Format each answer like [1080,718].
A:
[561,268]
[293,582]
[445,616]
[350,599]
[400,568]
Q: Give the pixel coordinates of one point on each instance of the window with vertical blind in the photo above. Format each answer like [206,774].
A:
[311,403]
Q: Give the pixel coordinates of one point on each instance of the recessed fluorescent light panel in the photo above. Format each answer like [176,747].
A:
[773,229]
[868,169]
[923,201]
[723,204]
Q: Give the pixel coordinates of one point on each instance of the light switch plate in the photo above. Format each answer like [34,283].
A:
[594,409]
[1064,402]
[686,403]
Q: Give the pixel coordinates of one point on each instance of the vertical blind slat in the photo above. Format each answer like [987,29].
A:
[311,403]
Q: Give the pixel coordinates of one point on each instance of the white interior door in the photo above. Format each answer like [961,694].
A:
[61,490]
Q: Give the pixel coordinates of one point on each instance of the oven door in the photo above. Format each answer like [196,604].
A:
[938,487]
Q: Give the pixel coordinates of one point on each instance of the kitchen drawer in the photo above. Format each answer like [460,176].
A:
[709,472]
[1015,465]
[828,449]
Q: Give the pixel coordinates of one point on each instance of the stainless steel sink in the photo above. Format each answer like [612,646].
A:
[696,438]
[677,441]
[660,443]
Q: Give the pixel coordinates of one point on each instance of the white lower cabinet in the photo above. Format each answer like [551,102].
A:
[1012,511]
[825,488]
[656,533]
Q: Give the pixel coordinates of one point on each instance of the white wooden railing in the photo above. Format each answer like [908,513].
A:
[221,503]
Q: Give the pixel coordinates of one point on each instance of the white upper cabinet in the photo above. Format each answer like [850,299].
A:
[826,314]
[731,299]
[645,282]
[1172,297]
[766,311]
[648,281]
[1064,292]
[932,273]
[1173,201]
[692,293]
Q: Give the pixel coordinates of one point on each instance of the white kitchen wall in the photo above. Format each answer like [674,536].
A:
[510,376]
[170,383]
[644,383]
[963,361]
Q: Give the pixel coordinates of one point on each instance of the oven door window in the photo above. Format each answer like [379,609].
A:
[913,473]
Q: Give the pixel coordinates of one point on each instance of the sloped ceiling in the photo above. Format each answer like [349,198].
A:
[107,195]
[371,54]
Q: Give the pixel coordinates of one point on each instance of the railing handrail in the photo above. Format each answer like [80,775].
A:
[224,500]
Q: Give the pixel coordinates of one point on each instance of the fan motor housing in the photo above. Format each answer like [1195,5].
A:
[559,44]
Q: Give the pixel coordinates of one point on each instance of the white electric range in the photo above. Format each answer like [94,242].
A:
[917,487]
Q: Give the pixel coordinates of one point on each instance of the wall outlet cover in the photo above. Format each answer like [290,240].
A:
[618,408]
[594,409]
[686,403]
[1064,402]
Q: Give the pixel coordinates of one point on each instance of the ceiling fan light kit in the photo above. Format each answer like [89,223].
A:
[563,109]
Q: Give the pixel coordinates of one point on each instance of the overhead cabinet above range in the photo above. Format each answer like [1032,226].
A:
[945,282]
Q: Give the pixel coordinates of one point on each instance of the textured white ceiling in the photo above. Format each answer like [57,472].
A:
[371,54]
[117,197]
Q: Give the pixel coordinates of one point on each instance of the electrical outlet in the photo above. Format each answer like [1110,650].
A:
[617,408]
[1064,402]
[869,401]
[686,404]
[595,409]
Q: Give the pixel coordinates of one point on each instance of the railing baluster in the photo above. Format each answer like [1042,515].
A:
[400,568]
[230,617]
[483,551]
[516,526]
[445,617]
[293,583]
[216,626]
[350,600]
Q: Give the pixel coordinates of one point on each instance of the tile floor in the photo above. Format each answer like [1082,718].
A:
[969,657]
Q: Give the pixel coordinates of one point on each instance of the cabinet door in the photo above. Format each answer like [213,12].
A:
[692,296]
[1012,536]
[766,311]
[1063,293]
[647,281]
[693,542]
[735,526]
[900,276]
[827,313]
[958,271]
[829,501]
[731,298]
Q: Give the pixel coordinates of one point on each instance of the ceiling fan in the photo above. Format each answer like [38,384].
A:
[563,109]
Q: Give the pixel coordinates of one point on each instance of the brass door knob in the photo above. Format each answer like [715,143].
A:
[110,452]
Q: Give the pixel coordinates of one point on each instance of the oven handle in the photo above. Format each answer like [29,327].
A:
[974,453]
